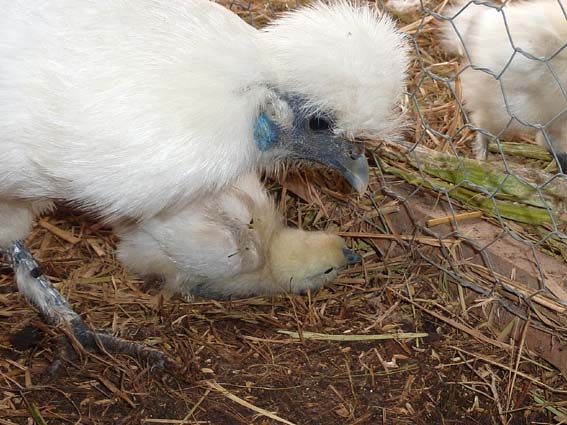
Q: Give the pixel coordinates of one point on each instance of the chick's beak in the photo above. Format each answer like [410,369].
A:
[351,256]
[337,153]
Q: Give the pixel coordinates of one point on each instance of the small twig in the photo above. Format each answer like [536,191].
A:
[529,293]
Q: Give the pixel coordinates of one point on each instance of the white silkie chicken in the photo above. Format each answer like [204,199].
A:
[232,245]
[131,108]
[530,87]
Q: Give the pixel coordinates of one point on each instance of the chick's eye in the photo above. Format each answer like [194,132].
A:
[319,124]
[328,270]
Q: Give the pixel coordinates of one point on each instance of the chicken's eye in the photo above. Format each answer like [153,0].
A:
[328,270]
[319,124]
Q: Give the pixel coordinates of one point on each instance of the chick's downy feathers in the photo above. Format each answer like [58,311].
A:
[230,246]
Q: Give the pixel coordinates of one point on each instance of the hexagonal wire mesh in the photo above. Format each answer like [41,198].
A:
[509,82]
[525,198]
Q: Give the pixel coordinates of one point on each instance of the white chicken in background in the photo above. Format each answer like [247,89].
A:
[526,59]
[137,107]
[232,245]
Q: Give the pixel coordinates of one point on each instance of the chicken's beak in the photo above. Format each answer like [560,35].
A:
[356,172]
[351,256]
[335,152]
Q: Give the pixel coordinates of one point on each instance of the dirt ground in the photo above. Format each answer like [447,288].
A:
[257,361]
[235,361]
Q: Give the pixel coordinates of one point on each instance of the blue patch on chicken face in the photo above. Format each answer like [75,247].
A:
[265,132]
[288,127]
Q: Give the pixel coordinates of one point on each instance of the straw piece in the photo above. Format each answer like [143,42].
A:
[63,234]
[215,386]
[351,338]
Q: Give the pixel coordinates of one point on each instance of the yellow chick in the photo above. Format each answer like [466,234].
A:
[232,245]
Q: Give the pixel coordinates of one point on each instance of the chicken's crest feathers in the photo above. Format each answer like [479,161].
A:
[344,59]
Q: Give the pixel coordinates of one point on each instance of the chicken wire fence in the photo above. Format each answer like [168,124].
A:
[520,190]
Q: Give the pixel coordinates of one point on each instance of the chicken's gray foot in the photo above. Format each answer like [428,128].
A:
[56,311]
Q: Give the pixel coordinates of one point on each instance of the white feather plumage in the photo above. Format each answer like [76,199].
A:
[343,62]
[533,94]
[132,107]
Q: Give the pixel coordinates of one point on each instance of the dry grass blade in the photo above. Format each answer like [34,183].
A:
[533,380]
[173,422]
[560,414]
[66,236]
[512,385]
[36,415]
[115,390]
[423,240]
[217,387]
[352,338]
[529,293]
[475,333]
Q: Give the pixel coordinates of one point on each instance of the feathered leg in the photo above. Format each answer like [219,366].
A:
[55,310]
